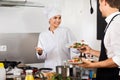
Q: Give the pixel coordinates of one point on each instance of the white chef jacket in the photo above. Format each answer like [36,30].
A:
[54,46]
[112,38]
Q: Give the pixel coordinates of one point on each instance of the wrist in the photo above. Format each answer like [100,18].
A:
[90,51]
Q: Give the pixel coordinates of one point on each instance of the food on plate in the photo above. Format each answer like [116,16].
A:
[77,44]
[75,60]
[49,75]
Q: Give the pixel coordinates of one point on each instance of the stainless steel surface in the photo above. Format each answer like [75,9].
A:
[73,72]
[20,47]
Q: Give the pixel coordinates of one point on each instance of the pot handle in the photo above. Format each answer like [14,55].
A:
[45,69]
[40,75]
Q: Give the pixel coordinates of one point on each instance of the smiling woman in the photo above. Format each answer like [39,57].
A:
[52,41]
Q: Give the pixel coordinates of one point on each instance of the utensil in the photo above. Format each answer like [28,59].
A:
[91,8]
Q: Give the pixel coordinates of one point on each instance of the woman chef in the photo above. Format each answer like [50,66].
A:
[52,42]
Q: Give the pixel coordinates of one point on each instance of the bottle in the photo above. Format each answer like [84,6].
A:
[94,76]
[2,72]
[90,74]
[29,75]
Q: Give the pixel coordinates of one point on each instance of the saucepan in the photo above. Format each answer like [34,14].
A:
[24,68]
[42,74]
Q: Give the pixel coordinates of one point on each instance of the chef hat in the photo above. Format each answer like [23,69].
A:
[51,12]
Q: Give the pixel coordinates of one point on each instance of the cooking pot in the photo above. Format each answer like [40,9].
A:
[63,70]
[42,73]
[72,71]
[24,68]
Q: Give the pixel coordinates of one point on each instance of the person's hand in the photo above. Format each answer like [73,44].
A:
[39,50]
[85,49]
[86,64]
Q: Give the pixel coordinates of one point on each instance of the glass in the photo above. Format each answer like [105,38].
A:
[29,75]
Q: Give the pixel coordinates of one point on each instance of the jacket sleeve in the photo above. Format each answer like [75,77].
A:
[72,39]
[40,45]
[71,36]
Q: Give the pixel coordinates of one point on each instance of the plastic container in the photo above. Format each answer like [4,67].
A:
[2,72]
[29,75]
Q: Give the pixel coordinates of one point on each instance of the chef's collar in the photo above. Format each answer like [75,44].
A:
[108,19]
[49,28]
[55,29]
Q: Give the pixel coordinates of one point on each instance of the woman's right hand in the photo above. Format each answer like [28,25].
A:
[39,50]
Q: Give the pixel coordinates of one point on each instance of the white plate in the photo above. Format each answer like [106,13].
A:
[91,59]
[75,62]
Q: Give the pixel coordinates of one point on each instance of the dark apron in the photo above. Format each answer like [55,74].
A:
[106,73]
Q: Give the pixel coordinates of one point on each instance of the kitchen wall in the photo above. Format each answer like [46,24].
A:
[83,24]
[76,16]
[21,19]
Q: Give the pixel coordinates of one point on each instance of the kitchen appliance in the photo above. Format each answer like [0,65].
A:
[91,8]
[73,72]
[10,64]
[64,70]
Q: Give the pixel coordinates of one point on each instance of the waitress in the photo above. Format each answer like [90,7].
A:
[52,42]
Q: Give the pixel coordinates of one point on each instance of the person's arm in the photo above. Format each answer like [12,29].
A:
[88,50]
[94,52]
[71,36]
[39,50]
[109,63]
[115,43]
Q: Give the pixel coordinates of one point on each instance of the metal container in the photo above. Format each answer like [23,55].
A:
[64,70]
[69,71]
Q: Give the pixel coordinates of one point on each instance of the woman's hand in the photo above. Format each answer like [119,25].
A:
[39,50]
